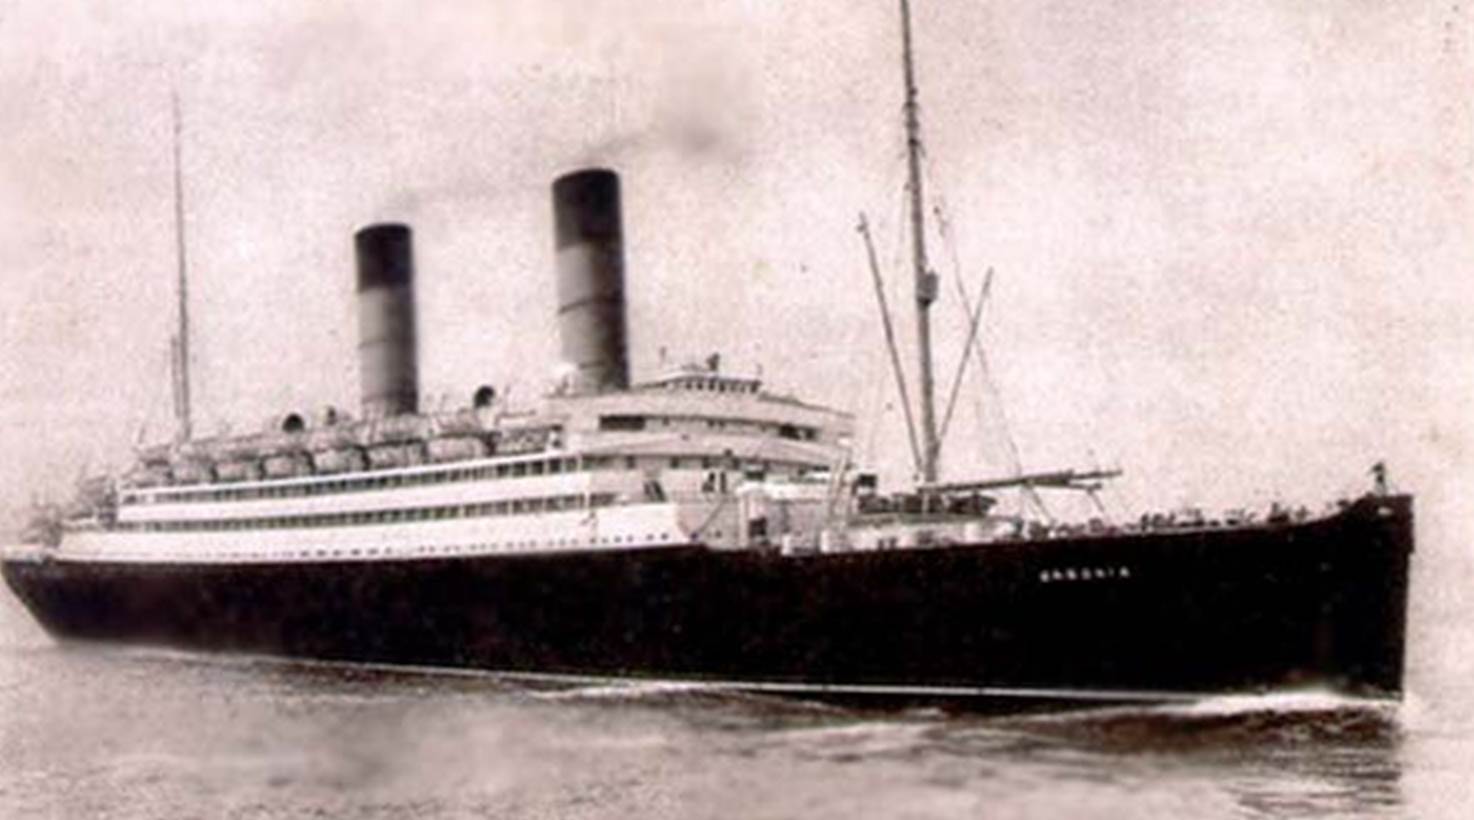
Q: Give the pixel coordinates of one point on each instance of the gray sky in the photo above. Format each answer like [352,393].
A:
[1232,239]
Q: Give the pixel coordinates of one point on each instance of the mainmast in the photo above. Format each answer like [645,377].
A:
[926,281]
[181,340]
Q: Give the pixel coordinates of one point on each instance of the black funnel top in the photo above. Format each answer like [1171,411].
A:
[384,256]
[586,207]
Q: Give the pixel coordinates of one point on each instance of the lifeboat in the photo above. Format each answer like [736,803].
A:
[286,465]
[396,455]
[342,460]
[455,448]
[240,470]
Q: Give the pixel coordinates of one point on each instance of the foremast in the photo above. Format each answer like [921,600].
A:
[926,281]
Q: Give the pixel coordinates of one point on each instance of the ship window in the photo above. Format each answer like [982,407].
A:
[555,466]
[536,468]
[621,422]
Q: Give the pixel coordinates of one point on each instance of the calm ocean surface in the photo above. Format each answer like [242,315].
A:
[91,732]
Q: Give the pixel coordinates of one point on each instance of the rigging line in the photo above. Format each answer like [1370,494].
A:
[722,501]
[990,386]
[902,227]
[890,339]
[898,248]
[1094,495]
[1123,512]
[839,469]
[943,227]
[877,395]
[940,205]
[974,322]
[1028,495]
[1016,459]
[156,397]
[898,176]
[873,408]
[1122,499]
[944,230]
[1038,500]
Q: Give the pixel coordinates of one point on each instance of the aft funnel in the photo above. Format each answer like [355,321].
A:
[590,267]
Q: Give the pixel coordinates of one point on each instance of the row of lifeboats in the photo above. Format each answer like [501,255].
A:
[330,431]
[290,455]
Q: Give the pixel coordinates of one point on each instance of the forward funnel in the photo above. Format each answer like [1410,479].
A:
[388,372]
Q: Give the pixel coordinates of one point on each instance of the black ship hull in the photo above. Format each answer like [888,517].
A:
[1116,617]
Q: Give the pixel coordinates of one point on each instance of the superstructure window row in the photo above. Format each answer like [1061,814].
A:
[516,469]
[519,506]
[631,422]
[513,469]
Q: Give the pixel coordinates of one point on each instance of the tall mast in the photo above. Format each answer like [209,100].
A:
[181,344]
[926,281]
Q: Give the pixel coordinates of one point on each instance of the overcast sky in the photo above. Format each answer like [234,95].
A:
[1232,240]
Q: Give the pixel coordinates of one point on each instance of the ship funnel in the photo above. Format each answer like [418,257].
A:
[388,374]
[590,265]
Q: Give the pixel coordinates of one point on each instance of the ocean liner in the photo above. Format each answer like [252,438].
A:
[693,527]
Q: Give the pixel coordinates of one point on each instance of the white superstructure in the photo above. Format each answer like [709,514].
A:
[694,457]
